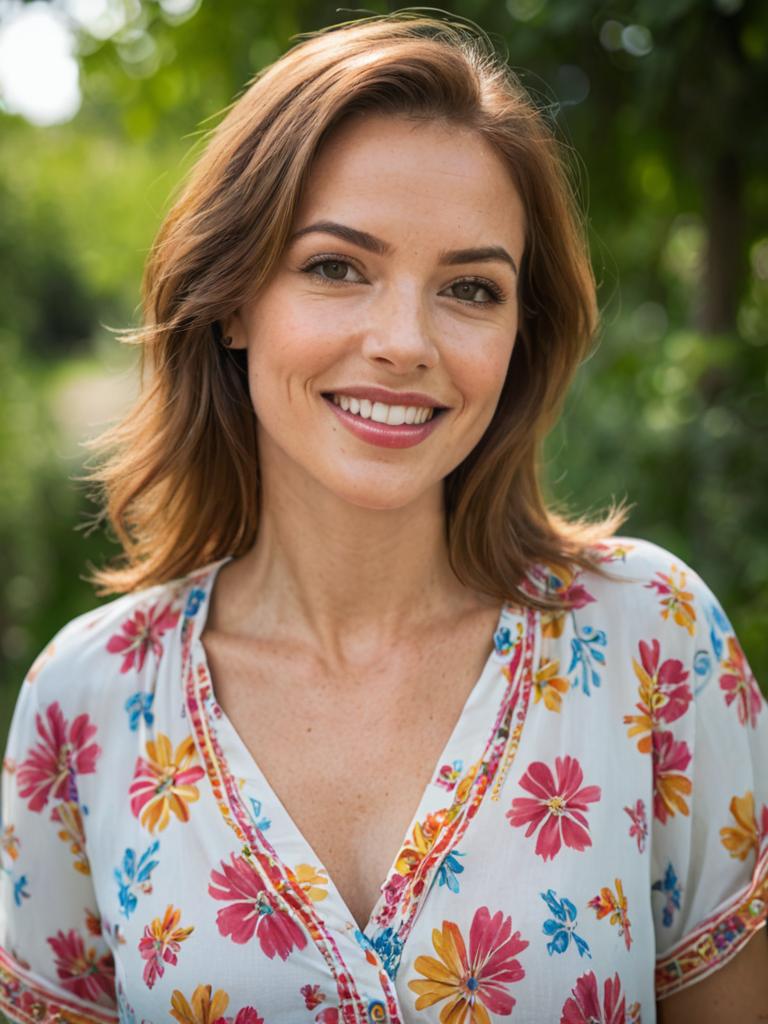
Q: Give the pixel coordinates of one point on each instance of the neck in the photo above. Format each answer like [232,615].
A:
[342,574]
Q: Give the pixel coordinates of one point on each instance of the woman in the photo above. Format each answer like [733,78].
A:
[373,735]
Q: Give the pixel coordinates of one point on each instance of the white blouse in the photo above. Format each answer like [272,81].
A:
[594,836]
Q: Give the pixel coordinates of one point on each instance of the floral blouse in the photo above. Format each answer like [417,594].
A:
[594,836]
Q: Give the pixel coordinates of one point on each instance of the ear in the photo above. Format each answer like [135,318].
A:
[233,333]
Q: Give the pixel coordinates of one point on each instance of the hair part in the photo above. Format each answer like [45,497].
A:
[179,477]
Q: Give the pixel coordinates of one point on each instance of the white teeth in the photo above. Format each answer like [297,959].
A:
[379,412]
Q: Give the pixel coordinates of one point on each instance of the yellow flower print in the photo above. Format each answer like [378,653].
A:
[68,815]
[163,783]
[739,841]
[548,685]
[205,1009]
[552,623]
[312,881]
[675,599]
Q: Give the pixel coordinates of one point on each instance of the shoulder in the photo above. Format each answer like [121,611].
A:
[97,658]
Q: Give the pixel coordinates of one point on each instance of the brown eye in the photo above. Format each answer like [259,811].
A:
[336,270]
[470,291]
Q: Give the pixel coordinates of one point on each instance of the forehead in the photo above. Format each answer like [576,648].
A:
[415,178]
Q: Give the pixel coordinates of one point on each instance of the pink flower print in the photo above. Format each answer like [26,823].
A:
[559,806]
[247,1015]
[476,983]
[739,684]
[584,1007]
[160,944]
[253,911]
[313,996]
[670,787]
[82,970]
[663,692]
[639,828]
[64,751]
[142,632]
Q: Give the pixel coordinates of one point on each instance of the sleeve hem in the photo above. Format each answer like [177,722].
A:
[716,939]
[27,999]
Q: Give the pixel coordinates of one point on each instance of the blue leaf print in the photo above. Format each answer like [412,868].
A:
[670,887]
[135,876]
[585,652]
[503,641]
[195,599]
[562,926]
[389,949]
[448,870]
[262,824]
[19,890]
[139,706]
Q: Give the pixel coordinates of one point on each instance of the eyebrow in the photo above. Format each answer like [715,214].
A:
[364,240]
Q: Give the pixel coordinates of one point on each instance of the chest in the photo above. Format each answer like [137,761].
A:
[349,758]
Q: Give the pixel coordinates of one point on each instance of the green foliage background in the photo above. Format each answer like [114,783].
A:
[669,143]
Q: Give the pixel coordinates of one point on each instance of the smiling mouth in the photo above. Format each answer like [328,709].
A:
[381,412]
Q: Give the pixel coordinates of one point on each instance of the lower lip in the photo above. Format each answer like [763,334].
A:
[383,434]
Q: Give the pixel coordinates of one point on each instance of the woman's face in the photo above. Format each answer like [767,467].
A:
[373,298]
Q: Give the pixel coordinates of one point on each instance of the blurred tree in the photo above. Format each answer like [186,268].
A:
[663,104]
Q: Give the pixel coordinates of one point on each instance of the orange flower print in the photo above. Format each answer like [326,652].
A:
[475,984]
[164,782]
[160,944]
[204,1008]
[313,881]
[670,759]
[606,902]
[9,842]
[207,1009]
[548,685]
[743,838]
[552,624]
[739,685]
[664,693]
[675,599]
[69,816]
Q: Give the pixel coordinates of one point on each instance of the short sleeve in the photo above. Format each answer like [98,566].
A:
[55,964]
[709,835]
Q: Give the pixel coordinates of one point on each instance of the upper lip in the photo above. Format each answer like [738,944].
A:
[405,398]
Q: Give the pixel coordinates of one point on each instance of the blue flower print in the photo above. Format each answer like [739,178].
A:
[137,876]
[387,946]
[670,887]
[262,824]
[502,640]
[195,599]
[139,706]
[450,867]
[562,927]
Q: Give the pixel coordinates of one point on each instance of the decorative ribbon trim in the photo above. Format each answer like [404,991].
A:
[718,938]
[27,999]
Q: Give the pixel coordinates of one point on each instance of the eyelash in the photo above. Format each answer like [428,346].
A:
[496,293]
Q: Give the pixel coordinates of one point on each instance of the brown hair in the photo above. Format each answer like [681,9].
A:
[180,482]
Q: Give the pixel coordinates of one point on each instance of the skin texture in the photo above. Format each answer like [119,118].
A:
[338,513]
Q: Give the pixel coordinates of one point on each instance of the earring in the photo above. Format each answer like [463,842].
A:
[218,335]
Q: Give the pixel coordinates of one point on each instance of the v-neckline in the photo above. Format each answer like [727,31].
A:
[236,764]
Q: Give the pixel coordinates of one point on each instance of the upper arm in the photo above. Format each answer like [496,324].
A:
[53,958]
[709,836]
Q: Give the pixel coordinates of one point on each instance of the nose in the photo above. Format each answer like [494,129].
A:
[400,334]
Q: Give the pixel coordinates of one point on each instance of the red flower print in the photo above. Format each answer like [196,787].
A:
[639,827]
[670,787]
[164,783]
[477,984]
[142,632]
[584,1007]
[82,970]
[247,1015]
[253,911]
[160,944]
[739,684]
[558,805]
[64,751]
[312,996]
[663,691]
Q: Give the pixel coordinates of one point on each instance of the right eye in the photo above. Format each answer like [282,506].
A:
[334,270]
